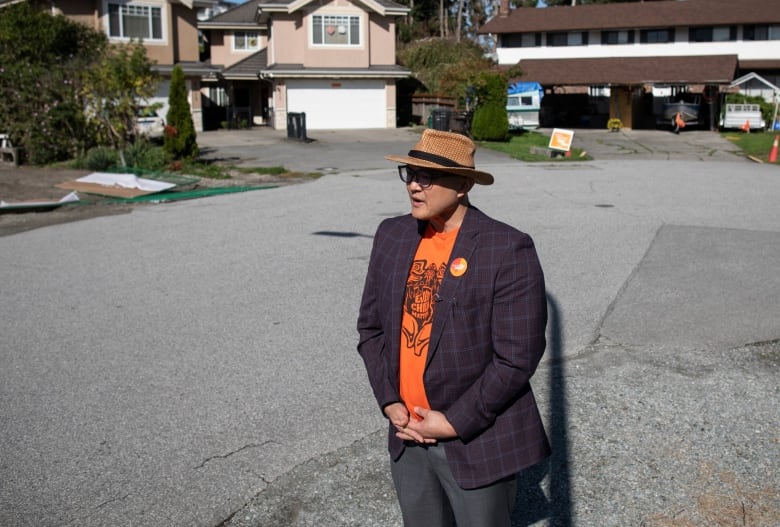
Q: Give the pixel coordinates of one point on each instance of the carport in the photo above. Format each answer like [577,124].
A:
[631,82]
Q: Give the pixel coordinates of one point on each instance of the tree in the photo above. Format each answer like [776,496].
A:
[63,88]
[118,82]
[581,2]
[43,65]
[490,122]
[444,67]
[180,136]
[435,18]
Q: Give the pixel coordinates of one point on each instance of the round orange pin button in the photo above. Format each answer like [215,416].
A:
[458,266]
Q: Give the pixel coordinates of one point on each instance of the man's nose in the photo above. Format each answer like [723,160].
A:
[414,184]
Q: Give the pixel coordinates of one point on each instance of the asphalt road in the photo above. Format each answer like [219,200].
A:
[194,363]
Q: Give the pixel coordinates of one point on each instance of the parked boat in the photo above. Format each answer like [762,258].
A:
[689,112]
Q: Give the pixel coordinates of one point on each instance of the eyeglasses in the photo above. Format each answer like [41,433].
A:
[423,177]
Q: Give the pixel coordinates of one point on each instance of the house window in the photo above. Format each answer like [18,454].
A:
[521,40]
[617,37]
[246,41]
[135,21]
[762,32]
[657,36]
[567,39]
[712,34]
[336,30]
[218,96]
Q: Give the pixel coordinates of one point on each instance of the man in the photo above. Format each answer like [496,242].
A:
[451,329]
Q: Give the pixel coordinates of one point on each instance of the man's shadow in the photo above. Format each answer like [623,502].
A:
[532,504]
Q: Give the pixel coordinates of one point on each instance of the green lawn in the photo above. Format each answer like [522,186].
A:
[757,145]
[520,144]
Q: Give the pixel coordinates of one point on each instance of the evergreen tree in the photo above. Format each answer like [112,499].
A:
[490,122]
[180,137]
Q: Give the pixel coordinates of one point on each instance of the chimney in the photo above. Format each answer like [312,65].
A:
[503,8]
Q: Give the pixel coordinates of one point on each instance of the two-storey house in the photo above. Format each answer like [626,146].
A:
[333,60]
[626,60]
[167,29]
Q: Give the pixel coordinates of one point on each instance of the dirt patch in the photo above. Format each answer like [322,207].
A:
[27,183]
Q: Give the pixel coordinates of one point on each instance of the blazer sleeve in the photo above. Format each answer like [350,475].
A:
[517,337]
[372,337]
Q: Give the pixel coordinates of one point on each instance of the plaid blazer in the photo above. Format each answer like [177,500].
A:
[487,338]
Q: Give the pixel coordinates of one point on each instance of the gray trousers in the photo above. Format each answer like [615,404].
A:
[430,497]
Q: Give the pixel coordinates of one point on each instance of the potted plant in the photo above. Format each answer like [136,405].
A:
[614,124]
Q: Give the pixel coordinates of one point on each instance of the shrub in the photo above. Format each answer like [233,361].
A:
[143,154]
[490,122]
[43,60]
[101,158]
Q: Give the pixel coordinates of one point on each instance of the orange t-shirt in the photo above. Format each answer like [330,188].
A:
[425,275]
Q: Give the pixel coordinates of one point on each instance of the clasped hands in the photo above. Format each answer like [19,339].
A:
[432,427]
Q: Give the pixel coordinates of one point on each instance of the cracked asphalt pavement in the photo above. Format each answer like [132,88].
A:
[194,363]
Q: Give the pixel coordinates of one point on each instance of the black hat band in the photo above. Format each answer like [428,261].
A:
[433,158]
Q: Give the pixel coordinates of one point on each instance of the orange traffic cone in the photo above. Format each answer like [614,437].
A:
[746,126]
[773,152]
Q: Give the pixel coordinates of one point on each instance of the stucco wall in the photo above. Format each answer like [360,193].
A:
[185,34]
[222,51]
[288,33]
[382,40]
[293,39]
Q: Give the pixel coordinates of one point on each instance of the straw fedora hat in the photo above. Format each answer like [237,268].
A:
[445,152]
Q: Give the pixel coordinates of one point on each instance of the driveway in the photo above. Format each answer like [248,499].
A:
[354,150]
[194,363]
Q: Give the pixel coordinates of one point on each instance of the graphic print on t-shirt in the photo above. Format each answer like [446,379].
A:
[421,288]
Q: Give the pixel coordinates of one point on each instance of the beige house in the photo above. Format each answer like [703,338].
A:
[333,61]
[167,28]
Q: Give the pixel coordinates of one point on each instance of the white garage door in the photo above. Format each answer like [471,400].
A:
[342,104]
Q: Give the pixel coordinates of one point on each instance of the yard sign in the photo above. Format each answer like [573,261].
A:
[561,139]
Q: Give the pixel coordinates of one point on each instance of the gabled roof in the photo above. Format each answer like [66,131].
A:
[254,12]
[635,15]
[631,71]
[248,68]
[238,17]
[192,4]
[382,7]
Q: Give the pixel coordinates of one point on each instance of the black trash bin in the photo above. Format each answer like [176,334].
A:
[440,119]
[461,122]
[296,125]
